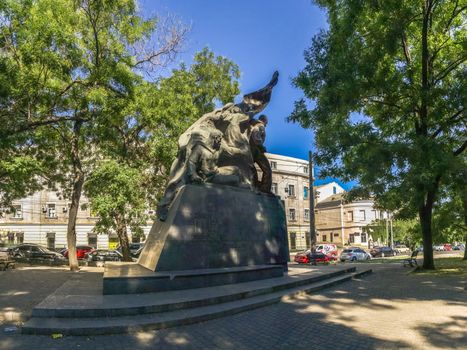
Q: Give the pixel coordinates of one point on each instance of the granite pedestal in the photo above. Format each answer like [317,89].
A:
[213,235]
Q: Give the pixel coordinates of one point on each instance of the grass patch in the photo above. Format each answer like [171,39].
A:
[445,266]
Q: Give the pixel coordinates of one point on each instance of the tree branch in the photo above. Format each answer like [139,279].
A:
[449,69]
[460,149]
[453,118]
[408,58]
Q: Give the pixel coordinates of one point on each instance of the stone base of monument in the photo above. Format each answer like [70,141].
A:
[129,278]
[214,226]
[213,235]
[79,307]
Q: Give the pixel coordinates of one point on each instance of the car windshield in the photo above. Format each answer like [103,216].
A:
[347,251]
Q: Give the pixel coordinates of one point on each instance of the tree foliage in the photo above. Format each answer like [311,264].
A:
[66,66]
[388,85]
[118,199]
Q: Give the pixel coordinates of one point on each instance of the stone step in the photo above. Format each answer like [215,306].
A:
[126,324]
[76,306]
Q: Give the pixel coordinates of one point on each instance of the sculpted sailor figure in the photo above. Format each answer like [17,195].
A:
[201,166]
[257,139]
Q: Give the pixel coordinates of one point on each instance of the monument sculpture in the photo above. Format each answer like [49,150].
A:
[235,124]
[215,218]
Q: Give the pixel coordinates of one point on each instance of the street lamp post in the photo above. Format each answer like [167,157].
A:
[311,197]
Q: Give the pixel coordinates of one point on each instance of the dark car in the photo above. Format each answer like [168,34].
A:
[102,255]
[34,251]
[135,249]
[382,252]
[81,251]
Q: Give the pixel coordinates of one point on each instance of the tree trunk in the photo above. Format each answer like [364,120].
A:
[78,181]
[425,222]
[465,248]
[123,238]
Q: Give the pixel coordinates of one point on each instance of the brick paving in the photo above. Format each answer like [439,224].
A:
[386,310]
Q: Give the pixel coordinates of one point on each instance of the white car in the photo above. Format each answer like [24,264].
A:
[438,248]
[354,254]
[401,249]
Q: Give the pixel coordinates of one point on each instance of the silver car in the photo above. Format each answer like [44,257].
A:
[354,254]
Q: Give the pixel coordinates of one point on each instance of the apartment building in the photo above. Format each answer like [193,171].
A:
[42,219]
[343,223]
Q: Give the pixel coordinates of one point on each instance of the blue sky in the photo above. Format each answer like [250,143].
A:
[261,36]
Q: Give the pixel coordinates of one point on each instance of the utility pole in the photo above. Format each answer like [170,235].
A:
[387,230]
[392,233]
[311,196]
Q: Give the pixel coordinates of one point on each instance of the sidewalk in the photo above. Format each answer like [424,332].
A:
[388,309]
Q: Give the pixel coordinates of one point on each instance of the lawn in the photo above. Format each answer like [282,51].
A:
[446,266]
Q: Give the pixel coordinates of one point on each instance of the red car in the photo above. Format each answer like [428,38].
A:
[81,251]
[308,258]
[447,247]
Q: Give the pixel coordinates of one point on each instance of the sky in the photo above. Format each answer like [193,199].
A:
[260,36]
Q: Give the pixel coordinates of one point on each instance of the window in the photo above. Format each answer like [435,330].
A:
[374,216]
[305,169]
[351,238]
[292,214]
[306,214]
[362,215]
[291,190]
[307,239]
[19,237]
[51,212]
[350,216]
[51,240]
[92,239]
[273,165]
[363,238]
[293,241]
[334,190]
[274,187]
[18,211]
[325,237]
[305,192]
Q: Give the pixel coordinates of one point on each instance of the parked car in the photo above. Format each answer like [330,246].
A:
[103,255]
[34,251]
[135,249]
[459,247]
[402,249]
[354,254]
[438,248]
[309,258]
[327,249]
[447,247]
[6,252]
[382,252]
[81,251]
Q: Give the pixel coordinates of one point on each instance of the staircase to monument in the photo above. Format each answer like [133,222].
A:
[80,308]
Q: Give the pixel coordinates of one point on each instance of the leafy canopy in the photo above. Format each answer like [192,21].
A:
[387,81]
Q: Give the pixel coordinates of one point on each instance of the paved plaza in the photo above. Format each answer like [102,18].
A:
[388,309]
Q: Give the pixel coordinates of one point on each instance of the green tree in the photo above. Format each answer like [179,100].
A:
[66,65]
[143,133]
[118,199]
[388,84]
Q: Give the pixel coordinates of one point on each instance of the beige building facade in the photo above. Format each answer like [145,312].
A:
[42,219]
[343,223]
